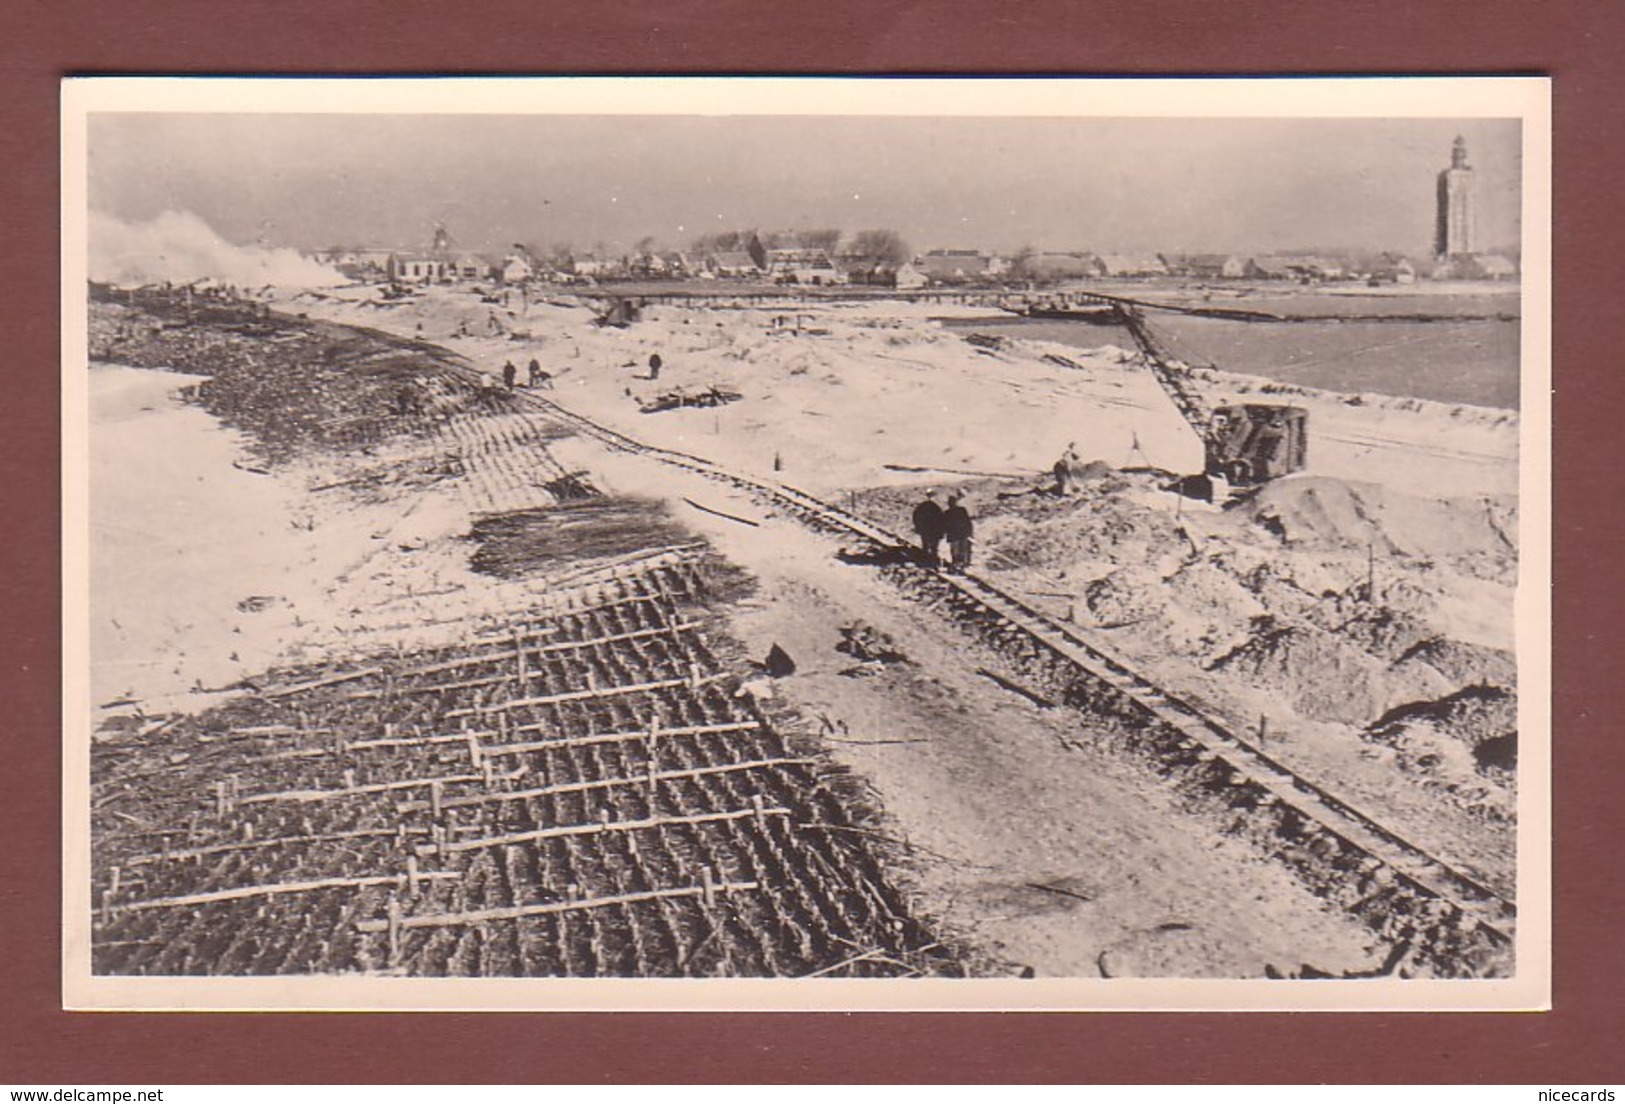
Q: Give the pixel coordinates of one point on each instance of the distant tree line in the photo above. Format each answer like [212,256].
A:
[885,246]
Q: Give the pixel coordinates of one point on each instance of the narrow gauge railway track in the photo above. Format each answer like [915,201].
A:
[1443,917]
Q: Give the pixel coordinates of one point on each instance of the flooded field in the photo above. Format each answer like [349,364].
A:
[1473,361]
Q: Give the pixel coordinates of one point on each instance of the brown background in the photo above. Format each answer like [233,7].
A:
[1579,42]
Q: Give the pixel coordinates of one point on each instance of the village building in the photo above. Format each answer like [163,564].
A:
[358,263]
[1051,267]
[732,264]
[1392,268]
[1213,266]
[469,266]
[1323,268]
[1268,267]
[803,266]
[594,267]
[873,273]
[416,268]
[438,268]
[646,266]
[960,266]
[1130,265]
[1475,266]
[1493,266]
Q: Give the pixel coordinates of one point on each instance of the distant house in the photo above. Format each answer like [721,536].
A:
[803,266]
[1303,269]
[1323,268]
[358,263]
[1391,268]
[904,277]
[1270,268]
[960,266]
[1474,266]
[593,266]
[469,266]
[1130,264]
[1215,266]
[1046,267]
[732,264]
[646,266]
[416,268]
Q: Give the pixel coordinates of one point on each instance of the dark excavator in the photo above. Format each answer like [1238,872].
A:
[1245,443]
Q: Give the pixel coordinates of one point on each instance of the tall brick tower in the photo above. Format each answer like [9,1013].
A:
[1453,233]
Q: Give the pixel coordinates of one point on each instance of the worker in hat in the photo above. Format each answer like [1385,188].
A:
[928,524]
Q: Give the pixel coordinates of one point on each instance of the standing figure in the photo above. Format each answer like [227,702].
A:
[957,527]
[928,523]
[509,374]
[654,366]
[533,373]
[1067,470]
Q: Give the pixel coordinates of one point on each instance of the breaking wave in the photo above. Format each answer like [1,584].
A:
[180,247]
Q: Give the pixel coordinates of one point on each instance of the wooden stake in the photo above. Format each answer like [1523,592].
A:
[708,888]
[1263,729]
[436,799]
[394,930]
[412,874]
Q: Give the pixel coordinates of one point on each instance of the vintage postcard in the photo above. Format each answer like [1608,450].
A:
[807,544]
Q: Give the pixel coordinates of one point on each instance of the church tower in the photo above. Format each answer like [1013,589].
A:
[1453,234]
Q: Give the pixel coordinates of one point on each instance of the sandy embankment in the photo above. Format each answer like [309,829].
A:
[181,538]
[838,392]
[828,411]
[207,569]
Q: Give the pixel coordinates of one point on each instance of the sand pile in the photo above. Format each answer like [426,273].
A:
[1315,511]
[1463,745]
[1323,676]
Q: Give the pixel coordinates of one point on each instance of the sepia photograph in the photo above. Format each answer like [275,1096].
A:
[806,543]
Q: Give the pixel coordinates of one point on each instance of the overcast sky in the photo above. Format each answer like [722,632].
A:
[1099,184]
